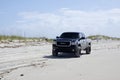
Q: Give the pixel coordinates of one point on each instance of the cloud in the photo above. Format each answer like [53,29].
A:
[105,22]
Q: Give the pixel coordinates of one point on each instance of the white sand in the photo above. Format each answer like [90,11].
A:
[36,63]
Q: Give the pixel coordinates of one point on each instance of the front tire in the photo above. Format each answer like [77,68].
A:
[88,50]
[78,53]
[54,53]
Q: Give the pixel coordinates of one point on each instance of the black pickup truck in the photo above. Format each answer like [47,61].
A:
[71,42]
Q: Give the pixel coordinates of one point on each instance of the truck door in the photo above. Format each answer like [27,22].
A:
[82,41]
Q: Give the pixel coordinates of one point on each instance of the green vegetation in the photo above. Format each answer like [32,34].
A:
[99,37]
[20,38]
[13,37]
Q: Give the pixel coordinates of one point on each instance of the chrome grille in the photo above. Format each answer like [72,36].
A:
[64,44]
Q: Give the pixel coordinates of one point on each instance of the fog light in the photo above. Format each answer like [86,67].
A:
[53,49]
[73,50]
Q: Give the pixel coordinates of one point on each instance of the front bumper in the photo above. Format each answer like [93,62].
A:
[71,48]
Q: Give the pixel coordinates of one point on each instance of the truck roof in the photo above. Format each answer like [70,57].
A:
[73,32]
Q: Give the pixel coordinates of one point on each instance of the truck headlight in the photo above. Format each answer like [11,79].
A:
[72,43]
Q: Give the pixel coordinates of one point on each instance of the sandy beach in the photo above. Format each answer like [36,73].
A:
[37,63]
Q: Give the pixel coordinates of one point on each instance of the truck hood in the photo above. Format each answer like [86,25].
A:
[65,40]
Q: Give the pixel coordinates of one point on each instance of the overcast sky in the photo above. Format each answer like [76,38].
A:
[49,18]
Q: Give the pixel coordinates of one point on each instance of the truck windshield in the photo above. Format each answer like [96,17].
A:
[70,35]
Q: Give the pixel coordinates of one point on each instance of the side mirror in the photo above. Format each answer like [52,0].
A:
[82,38]
[57,37]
